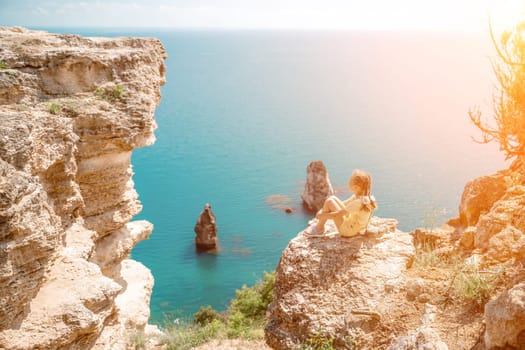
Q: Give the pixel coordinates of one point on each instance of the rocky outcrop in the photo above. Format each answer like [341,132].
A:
[72,109]
[491,235]
[499,232]
[340,287]
[367,291]
[318,187]
[505,319]
[206,230]
[492,217]
[479,195]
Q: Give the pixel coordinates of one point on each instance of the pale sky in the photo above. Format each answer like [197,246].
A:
[436,15]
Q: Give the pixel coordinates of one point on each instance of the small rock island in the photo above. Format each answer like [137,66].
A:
[206,230]
[317,187]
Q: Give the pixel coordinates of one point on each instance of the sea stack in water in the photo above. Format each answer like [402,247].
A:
[317,187]
[206,230]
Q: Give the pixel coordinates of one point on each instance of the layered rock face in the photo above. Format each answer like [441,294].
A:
[339,287]
[71,111]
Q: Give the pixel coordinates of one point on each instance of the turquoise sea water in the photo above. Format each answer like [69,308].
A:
[243,113]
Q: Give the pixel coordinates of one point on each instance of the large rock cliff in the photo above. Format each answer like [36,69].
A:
[459,286]
[336,286]
[71,111]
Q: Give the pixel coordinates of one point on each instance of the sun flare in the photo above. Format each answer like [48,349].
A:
[505,14]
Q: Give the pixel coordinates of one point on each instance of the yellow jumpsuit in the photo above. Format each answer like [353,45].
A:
[357,218]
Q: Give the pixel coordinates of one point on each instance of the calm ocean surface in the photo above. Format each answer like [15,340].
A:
[243,113]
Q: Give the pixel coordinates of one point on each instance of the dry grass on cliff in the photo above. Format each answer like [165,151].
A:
[458,290]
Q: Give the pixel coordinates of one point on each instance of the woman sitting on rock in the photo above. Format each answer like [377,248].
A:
[352,215]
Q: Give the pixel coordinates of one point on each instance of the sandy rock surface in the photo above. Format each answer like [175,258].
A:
[341,287]
[72,109]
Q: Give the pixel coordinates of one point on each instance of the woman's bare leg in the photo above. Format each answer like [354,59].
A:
[332,204]
[330,210]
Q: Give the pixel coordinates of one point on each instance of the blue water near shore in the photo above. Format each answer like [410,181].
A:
[243,113]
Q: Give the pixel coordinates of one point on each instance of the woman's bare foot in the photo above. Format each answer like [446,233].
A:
[314,231]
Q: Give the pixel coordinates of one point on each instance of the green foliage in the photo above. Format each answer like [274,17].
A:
[238,325]
[117,92]
[252,302]
[187,336]
[205,315]
[112,94]
[54,108]
[477,286]
[352,343]
[426,256]
[247,310]
[244,319]
[3,65]
[265,288]
[247,303]
[319,341]
[22,108]
[509,99]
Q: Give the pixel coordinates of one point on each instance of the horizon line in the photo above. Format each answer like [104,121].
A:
[255,29]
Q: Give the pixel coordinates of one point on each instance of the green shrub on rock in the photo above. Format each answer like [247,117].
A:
[54,108]
[205,315]
[245,318]
[111,93]
[252,302]
[186,336]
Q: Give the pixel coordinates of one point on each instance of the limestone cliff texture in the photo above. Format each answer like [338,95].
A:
[71,111]
[340,288]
